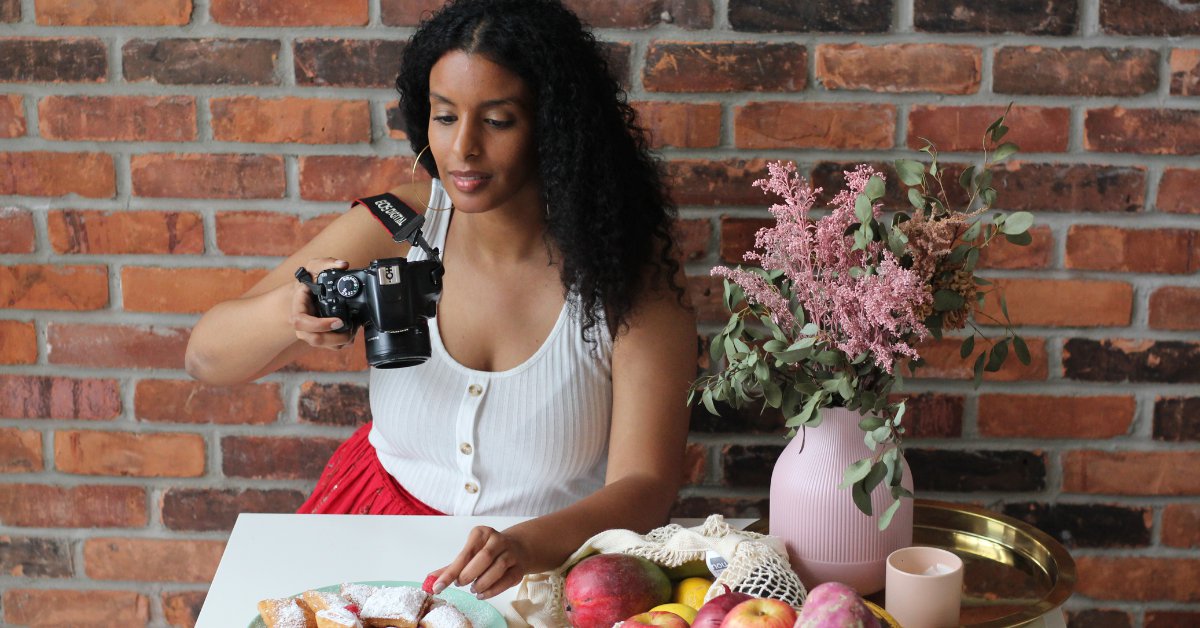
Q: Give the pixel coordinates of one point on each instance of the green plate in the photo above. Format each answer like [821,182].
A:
[481,614]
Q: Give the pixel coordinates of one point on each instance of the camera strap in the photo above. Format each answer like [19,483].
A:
[398,218]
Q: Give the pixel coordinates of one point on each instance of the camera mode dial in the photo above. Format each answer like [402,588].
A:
[349,286]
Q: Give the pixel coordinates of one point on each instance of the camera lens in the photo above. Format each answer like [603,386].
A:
[397,349]
[349,286]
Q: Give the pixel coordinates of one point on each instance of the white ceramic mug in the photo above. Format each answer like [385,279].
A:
[924,587]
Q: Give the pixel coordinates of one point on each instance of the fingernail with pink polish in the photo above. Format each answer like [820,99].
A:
[438,587]
[336,325]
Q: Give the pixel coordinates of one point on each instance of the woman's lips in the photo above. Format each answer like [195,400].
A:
[469,181]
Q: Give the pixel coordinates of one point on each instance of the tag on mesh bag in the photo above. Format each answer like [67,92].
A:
[757,565]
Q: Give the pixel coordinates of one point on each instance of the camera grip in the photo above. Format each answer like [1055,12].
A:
[327,305]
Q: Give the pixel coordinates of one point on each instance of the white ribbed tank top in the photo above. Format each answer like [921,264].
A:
[526,441]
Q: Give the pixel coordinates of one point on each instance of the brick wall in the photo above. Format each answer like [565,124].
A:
[159,155]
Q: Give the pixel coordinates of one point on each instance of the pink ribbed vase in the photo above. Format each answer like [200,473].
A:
[828,539]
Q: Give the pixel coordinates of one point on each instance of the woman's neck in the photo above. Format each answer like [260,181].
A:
[510,234]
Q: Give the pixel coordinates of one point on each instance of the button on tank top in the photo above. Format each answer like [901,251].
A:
[526,441]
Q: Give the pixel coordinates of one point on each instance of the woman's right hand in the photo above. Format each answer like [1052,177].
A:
[318,332]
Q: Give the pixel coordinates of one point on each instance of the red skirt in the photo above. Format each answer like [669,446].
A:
[355,483]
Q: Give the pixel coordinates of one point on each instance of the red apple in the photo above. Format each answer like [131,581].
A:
[714,611]
[603,589]
[762,612]
[653,619]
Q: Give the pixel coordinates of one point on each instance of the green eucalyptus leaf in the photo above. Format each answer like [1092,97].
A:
[1019,239]
[980,281]
[988,196]
[874,188]
[933,168]
[810,329]
[1004,306]
[972,259]
[978,368]
[983,179]
[882,434]
[829,358]
[869,441]
[856,272]
[870,423]
[716,349]
[1020,348]
[862,499]
[885,519]
[874,477]
[967,348]
[1018,222]
[958,253]
[997,356]
[844,388]
[916,198]
[774,346]
[772,394]
[947,300]
[862,208]
[901,408]
[911,172]
[707,399]
[899,492]
[972,232]
[964,179]
[1004,151]
[855,472]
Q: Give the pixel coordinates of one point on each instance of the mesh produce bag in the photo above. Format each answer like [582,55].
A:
[757,565]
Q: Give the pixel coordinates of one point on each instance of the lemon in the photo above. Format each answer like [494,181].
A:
[691,592]
[683,610]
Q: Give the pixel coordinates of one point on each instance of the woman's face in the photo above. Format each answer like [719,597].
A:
[481,133]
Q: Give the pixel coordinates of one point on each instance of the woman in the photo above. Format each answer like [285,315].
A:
[562,346]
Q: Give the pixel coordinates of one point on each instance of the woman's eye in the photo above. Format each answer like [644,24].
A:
[444,119]
[499,124]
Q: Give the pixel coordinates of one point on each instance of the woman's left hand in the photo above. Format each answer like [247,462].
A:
[491,562]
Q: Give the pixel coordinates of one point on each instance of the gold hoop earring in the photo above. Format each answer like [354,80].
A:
[416,161]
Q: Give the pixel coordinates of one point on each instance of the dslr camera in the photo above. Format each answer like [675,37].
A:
[392,299]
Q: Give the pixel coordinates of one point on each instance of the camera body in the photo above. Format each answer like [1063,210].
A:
[392,300]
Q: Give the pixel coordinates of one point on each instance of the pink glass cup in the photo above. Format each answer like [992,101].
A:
[924,587]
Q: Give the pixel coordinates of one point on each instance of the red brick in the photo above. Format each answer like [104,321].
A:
[822,16]
[38,397]
[631,14]
[1062,302]
[10,10]
[1099,618]
[1069,187]
[183,290]
[292,13]
[113,12]
[1185,72]
[900,68]
[1171,619]
[961,128]
[1074,71]
[692,236]
[1149,17]
[347,62]
[1134,360]
[204,510]
[695,466]
[182,608]
[725,67]
[1046,17]
[1181,525]
[92,452]
[127,232]
[208,176]
[58,174]
[185,401]
[706,296]
[1148,131]
[18,343]
[1046,416]
[1175,307]
[334,404]
[41,506]
[201,61]
[291,120]
[1138,578]
[345,178]
[407,12]
[152,560]
[118,118]
[1003,254]
[681,125]
[724,182]
[1131,472]
[20,450]
[738,236]
[814,125]
[117,346]
[57,608]
[53,60]
[352,359]
[1096,247]
[943,361]
[930,415]
[12,115]
[17,234]
[1176,191]
[34,557]
[276,458]
[53,287]
[266,233]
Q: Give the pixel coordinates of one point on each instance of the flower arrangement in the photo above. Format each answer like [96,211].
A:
[838,303]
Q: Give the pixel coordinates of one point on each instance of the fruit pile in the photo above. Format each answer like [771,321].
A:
[609,590]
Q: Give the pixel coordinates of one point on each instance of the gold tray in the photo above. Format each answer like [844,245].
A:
[1014,573]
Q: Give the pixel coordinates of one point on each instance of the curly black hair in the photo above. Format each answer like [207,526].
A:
[610,216]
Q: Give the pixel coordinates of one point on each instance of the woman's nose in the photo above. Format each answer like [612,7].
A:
[466,140]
